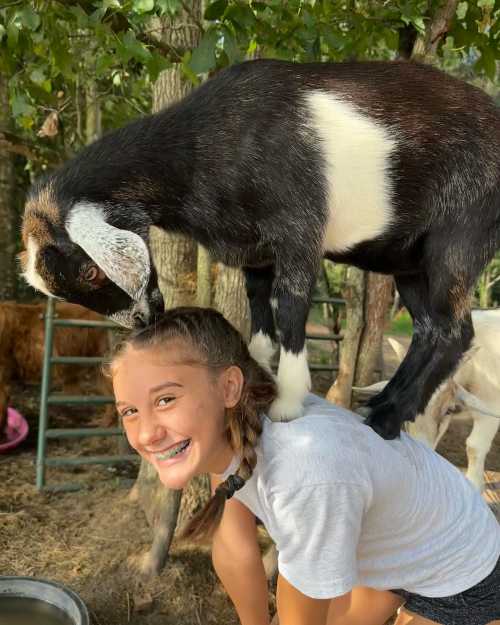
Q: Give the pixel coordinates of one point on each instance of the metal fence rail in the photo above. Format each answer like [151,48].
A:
[326,337]
[47,399]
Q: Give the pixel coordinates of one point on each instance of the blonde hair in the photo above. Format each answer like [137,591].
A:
[217,345]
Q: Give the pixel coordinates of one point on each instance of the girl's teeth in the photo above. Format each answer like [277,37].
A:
[173,451]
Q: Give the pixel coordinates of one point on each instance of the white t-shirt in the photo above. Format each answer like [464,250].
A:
[346,507]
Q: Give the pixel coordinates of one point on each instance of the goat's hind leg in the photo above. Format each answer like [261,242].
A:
[442,333]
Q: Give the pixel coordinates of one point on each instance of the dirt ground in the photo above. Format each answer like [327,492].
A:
[90,539]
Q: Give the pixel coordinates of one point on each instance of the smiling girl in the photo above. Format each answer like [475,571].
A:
[362,525]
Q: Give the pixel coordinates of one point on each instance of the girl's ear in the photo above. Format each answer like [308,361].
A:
[232,380]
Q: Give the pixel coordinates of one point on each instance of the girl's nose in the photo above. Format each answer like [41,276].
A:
[151,433]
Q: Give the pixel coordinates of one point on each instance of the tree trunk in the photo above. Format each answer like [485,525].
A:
[231,298]
[354,295]
[376,303]
[93,125]
[175,258]
[8,213]
[204,278]
[425,48]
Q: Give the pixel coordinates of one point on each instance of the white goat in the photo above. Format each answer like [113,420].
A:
[472,393]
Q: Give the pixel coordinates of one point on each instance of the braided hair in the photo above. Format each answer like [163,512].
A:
[218,345]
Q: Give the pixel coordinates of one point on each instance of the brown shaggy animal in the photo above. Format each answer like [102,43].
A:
[22,342]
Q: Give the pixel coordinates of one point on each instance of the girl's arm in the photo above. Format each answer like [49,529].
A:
[295,608]
[237,561]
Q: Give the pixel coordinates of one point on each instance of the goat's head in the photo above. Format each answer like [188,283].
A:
[90,253]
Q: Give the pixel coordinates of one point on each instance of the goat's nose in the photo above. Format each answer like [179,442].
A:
[139,320]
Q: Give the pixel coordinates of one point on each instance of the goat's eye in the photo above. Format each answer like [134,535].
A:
[93,274]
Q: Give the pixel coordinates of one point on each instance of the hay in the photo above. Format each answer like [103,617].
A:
[89,539]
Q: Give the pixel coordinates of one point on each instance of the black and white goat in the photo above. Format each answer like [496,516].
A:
[393,167]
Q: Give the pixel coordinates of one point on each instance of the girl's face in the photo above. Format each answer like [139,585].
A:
[173,412]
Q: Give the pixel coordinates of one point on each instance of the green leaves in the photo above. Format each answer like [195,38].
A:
[143,6]
[215,10]
[156,64]
[462,10]
[56,46]
[487,63]
[29,18]
[203,57]
[130,48]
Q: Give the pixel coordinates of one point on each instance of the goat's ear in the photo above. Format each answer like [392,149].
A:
[471,401]
[122,254]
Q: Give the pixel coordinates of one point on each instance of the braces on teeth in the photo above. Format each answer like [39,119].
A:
[174,451]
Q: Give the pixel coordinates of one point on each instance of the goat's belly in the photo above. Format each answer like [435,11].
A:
[357,154]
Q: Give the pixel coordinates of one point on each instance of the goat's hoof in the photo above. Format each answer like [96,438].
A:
[384,421]
[285,409]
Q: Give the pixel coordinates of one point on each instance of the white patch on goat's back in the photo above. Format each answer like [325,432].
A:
[357,151]
[294,382]
[31,275]
[261,349]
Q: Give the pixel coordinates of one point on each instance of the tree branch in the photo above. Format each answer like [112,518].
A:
[173,53]
[425,48]
[492,282]
[14,144]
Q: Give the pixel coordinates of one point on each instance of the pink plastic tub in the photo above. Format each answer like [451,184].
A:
[16,431]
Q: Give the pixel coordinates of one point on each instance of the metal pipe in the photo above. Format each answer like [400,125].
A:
[44,394]
[83,432]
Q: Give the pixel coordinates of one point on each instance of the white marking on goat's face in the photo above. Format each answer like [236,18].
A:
[261,349]
[31,275]
[294,382]
[123,318]
[121,254]
[357,152]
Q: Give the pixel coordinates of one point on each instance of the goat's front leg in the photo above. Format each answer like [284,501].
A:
[442,333]
[259,284]
[292,295]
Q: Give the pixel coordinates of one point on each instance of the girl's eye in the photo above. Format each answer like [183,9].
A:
[128,413]
[163,401]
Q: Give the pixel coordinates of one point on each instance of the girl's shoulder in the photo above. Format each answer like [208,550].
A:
[327,444]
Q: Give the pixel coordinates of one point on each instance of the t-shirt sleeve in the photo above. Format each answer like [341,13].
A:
[318,534]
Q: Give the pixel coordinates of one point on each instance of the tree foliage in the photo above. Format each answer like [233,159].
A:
[50,50]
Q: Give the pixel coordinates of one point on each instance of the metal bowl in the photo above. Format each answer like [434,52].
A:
[51,593]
